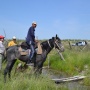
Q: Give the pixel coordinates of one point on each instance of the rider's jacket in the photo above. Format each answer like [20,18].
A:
[31,35]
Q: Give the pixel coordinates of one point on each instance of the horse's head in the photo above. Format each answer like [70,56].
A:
[57,43]
[54,42]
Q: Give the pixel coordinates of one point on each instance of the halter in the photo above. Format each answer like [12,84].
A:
[58,45]
[54,44]
[50,45]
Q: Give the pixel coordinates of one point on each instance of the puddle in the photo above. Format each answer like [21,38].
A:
[72,85]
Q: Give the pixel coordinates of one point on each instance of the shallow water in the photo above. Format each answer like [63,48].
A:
[73,85]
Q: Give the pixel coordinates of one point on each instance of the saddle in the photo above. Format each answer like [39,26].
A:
[25,45]
[25,48]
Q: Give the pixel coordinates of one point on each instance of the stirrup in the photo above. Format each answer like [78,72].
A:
[30,64]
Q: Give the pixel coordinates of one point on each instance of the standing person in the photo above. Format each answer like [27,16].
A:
[30,39]
[2,49]
[13,42]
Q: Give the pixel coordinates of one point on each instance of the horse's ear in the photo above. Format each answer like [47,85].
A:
[53,38]
[56,36]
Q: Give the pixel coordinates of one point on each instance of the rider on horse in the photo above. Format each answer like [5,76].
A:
[30,40]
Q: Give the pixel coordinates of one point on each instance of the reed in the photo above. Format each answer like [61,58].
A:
[26,82]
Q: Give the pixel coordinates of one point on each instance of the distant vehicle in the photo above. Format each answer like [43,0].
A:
[81,43]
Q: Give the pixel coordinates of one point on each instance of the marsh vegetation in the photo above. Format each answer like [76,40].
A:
[77,62]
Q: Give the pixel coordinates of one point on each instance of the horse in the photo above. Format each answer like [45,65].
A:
[13,53]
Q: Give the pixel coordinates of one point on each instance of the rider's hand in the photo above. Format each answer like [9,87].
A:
[36,41]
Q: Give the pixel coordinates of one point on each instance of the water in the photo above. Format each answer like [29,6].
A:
[73,85]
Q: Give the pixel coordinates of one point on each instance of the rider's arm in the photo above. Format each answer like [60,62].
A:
[32,33]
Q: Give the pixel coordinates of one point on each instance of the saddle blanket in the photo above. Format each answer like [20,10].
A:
[27,51]
[24,52]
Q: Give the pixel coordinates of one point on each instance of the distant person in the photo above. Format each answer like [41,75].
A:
[13,42]
[2,50]
[30,39]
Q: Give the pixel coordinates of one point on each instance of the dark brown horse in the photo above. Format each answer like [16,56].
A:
[13,54]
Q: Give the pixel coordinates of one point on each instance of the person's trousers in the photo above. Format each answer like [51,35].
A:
[1,57]
[32,51]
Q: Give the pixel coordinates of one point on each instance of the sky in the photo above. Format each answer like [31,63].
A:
[70,19]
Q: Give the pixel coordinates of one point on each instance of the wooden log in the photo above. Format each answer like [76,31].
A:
[75,78]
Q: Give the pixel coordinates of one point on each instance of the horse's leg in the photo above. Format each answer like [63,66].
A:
[40,65]
[7,69]
[38,68]
[11,66]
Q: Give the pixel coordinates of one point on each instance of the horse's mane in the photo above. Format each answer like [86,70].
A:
[44,42]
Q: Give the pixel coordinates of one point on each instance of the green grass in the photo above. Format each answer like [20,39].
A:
[24,81]
[76,61]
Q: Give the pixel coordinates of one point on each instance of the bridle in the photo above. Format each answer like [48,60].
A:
[60,47]
[56,42]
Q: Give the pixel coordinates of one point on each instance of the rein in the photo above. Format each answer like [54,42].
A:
[58,45]
[49,44]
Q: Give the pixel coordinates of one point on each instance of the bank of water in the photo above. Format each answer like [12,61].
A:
[72,85]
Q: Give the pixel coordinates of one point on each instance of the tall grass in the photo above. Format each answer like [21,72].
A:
[74,63]
[77,61]
[26,82]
